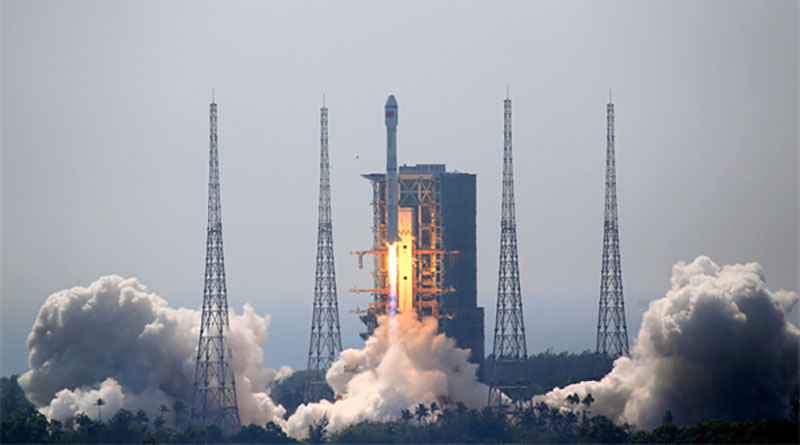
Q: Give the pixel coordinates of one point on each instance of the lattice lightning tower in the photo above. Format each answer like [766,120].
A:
[326,340]
[214,385]
[510,352]
[612,334]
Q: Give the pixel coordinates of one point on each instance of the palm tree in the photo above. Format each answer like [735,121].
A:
[667,420]
[99,403]
[556,419]
[573,399]
[159,421]
[318,431]
[55,428]
[141,417]
[178,407]
[541,407]
[571,420]
[587,401]
[421,412]
[542,413]
[406,415]
[434,408]
[446,415]
[527,417]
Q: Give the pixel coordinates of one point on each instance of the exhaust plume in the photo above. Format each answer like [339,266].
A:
[397,369]
[114,340]
[718,345]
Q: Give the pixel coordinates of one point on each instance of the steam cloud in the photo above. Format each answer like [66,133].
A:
[114,340]
[399,367]
[719,345]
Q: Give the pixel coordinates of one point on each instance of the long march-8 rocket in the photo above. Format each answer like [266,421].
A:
[391,170]
[399,239]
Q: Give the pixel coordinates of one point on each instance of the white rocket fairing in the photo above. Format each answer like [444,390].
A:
[391,170]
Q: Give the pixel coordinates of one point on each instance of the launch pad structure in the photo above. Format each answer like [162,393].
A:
[424,260]
[432,227]
[441,212]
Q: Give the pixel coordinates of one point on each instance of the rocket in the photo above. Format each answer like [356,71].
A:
[400,258]
[391,170]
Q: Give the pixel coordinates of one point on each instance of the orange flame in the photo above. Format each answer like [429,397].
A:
[393,273]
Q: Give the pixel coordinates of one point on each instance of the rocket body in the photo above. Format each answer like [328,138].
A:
[391,170]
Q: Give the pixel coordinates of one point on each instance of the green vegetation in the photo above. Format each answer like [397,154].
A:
[542,424]
[21,423]
[547,370]
[290,391]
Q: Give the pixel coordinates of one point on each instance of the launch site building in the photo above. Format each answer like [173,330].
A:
[437,211]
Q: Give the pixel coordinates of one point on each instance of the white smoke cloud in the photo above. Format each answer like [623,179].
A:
[69,402]
[399,367]
[718,345]
[114,340]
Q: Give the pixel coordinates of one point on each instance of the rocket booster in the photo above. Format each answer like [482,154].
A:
[391,170]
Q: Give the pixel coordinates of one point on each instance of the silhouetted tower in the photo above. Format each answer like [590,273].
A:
[510,352]
[214,385]
[326,340]
[612,334]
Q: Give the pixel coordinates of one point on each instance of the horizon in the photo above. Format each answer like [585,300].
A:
[105,147]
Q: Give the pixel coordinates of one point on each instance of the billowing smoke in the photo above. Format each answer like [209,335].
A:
[719,345]
[114,340]
[400,366]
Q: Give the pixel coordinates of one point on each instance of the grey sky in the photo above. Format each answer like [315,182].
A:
[105,145]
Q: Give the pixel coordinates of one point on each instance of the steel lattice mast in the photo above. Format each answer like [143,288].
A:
[510,352]
[214,384]
[612,334]
[326,339]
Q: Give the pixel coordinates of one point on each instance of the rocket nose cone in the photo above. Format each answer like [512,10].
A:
[391,101]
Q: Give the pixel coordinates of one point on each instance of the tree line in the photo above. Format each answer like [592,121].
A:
[20,422]
[544,424]
[425,423]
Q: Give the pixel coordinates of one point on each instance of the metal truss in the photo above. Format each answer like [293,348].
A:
[214,384]
[326,340]
[510,351]
[612,333]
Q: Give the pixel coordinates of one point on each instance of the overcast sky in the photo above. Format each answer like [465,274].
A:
[105,145]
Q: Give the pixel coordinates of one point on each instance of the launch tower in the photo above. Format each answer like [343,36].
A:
[424,242]
[440,213]
[326,340]
[612,333]
[214,384]
[509,356]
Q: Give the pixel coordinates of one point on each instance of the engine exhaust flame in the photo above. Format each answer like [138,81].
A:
[392,271]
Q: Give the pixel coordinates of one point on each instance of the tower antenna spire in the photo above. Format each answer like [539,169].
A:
[510,351]
[612,333]
[214,383]
[326,340]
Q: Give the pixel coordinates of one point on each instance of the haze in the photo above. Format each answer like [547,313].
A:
[105,146]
